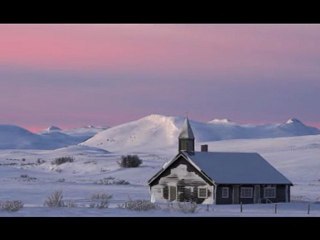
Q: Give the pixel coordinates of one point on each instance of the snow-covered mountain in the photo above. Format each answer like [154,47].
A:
[12,137]
[15,137]
[158,132]
[222,121]
[84,132]
[153,132]
[52,129]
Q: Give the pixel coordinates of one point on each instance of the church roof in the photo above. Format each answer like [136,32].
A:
[186,131]
[231,168]
[237,168]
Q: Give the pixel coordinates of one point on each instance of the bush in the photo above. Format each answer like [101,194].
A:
[187,207]
[55,200]
[138,205]
[100,200]
[112,181]
[61,160]
[11,206]
[40,161]
[26,178]
[130,161]
[70,204]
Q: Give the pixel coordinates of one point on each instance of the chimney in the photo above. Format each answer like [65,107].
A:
[204,148]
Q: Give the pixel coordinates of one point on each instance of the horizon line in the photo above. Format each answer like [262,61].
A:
[41,127]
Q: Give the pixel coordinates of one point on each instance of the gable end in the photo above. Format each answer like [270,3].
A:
[180,159]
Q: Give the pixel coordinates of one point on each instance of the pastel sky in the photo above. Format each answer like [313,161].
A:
[106,74]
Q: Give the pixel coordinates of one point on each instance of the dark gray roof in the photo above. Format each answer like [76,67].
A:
[237,168]
[186,131]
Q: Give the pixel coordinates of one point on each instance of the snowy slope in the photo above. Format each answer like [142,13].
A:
[296,157]
[57,138]
[151,132]
[84,132]
[14,137]
[156,132]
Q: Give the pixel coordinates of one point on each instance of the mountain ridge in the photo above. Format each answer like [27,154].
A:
[150,132]
[158,132]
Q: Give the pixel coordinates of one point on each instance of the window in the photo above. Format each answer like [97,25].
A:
[172,193]
[246,192]
[159,190]
[202,192]
[270,192]
[184,145]
[225,192]
[189,188]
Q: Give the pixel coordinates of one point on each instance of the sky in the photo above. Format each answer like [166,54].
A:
[72,75]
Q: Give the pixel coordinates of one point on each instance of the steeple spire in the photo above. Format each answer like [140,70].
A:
[186,137]
[186,131]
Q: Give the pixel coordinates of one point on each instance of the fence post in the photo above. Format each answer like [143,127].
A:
[308,208]
[240,206]
[275,208]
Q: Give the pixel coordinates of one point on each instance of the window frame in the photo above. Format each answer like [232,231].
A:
[200,188]
[223,189]
[268,188]
[242,189]
[190,188]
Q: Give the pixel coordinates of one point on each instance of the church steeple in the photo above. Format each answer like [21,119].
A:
[186,138]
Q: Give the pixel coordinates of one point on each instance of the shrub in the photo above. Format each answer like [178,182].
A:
[112,181]
[130,161]
[11,206]
[61,160]
[26,178]
[40,161]
[120,182]
[55,200]
[138,205]
[100,200]
[187,207]
[70,204]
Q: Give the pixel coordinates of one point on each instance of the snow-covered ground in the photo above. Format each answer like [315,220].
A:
[29,176]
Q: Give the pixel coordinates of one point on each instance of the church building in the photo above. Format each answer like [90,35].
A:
[217,177]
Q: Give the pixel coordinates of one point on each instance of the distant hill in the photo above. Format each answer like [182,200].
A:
[153,132]
[159,132]
[15,137]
